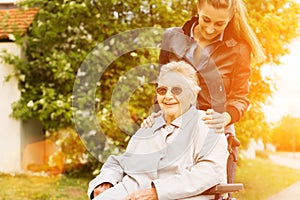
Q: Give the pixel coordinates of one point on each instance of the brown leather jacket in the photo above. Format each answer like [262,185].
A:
[223,68]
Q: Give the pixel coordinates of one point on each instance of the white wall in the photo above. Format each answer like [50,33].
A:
[10,135]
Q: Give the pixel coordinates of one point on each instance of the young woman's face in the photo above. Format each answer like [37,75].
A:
[173,95]
[212,21]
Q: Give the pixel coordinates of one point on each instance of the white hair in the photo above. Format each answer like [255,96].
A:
[188,73]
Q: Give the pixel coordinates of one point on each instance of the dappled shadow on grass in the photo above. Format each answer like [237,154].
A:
[25,187]
[262,178]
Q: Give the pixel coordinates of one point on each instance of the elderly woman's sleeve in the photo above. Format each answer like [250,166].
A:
[111,172]
[207,172]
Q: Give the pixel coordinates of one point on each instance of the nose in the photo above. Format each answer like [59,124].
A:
[169,94]
[210,29]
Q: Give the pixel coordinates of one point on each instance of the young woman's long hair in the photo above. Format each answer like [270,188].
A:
[239,24]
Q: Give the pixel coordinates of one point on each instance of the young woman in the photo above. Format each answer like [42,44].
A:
[219,44]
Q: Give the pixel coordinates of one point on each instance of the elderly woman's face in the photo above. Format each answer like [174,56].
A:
[174,95]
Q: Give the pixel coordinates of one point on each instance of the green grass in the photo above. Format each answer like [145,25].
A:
[21,187]
[261,179]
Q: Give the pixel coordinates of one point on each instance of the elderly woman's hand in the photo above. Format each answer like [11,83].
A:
[101,188]
[149,121]
[148,194]
[216,120]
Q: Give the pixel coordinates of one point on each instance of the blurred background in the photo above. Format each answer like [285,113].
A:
[50,147]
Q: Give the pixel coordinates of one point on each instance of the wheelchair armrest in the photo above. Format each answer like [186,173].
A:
[224,188]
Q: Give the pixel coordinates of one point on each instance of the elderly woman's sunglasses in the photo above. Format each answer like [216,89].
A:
[162,90]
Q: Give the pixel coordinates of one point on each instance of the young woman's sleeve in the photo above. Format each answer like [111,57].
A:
[237,99]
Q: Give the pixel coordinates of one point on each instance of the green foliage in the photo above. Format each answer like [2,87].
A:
[276,23]
[254,124]
[65,32]
[70,144]
[61,37]
[286,134]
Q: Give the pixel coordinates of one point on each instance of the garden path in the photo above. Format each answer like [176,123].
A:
[291,160]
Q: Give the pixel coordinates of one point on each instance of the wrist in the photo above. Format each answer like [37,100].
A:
[227,118]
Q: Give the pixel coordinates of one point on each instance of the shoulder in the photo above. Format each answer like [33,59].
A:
[236,48]
[243,52]
[144,133]
[231,40]
[234,42]
[149,131]
[176,42]
[173,31]
[200,114]
[242,45]
[198,122]
[244,48]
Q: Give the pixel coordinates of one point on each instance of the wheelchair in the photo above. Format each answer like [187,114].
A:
[219,190]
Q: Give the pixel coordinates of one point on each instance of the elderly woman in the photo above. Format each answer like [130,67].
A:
[176,158]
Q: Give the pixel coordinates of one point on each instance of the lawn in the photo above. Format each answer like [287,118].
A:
[21,187]
[261,179]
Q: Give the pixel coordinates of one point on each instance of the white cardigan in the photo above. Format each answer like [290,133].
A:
[193,162]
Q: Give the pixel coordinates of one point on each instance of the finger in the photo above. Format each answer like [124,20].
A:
[215,126]
[217,115]
[143,124]
[207,118]
[146,123]
[211,115]
[209,111]
[214,114]
[157,114]
[127,198]
[131,197]
[221,130]
[97,192]
[149,122]
[215,122]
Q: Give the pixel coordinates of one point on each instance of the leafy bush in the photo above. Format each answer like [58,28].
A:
[63,35]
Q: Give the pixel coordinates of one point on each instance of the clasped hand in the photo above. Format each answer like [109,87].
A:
[216,120]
